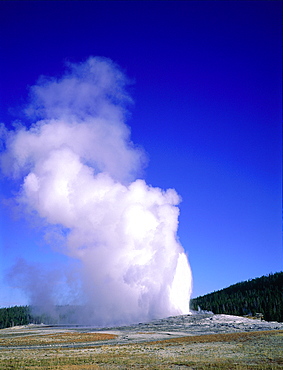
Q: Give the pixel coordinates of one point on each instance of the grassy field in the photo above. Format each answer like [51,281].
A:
[253,350]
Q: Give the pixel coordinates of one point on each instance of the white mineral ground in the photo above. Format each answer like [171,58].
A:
[171,327]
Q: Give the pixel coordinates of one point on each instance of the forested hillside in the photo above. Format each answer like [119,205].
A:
[17,315]
[261,295]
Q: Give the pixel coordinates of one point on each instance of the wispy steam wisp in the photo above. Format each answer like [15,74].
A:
[79,174]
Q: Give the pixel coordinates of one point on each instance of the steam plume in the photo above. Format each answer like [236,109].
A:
[79,173]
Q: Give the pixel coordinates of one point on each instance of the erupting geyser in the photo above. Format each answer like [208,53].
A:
[78,170]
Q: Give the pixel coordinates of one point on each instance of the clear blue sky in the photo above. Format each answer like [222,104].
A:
[207,110]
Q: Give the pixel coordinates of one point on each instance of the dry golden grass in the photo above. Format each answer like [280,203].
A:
[58,338]
[226,337]
[238,351]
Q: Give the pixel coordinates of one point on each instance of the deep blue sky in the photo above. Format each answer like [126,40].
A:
[207,91]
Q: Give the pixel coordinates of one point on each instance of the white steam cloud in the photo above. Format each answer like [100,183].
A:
[79,171]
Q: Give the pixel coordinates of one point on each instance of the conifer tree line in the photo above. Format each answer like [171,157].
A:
[24,315]
[261,295]
[12,316]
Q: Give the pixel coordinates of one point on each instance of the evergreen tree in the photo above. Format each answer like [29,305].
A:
[261,295]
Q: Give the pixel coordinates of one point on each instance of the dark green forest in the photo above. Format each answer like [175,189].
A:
[261,295]
[18,315]
[24,315]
